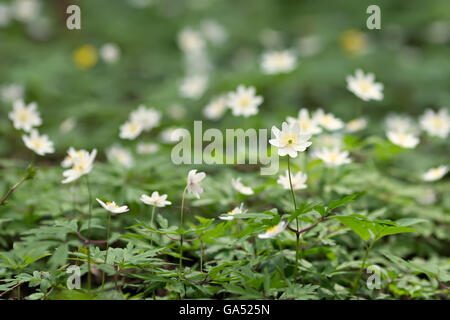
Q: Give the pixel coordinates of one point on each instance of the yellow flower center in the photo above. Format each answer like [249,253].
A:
[272,229]
[245,102]
[37,143]
[289,139]
[437,122]
[365,86]
[24,116]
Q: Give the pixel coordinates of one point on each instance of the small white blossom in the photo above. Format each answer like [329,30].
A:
[120,155]
[5,15]
[112,207]
[244,102]
[333,157]
[307,125]
[81,165]
[403,139]
[67,125]
[289,140]
[110,53]
[172,135]
[25,117]
[298,180]
[148,118]
[400,123]
[328,120]
[38,143]
[230,214]
[130,130]
[272,232]
[193,182]
[436,124]
[155,200]
[274,62]
[364,86]
[213,32]
[12,92]
[190,41]
[147,148]
[356,125]
[241,188]
[216,108]
[74,154]
[193,86]
[435,173]
[26,10]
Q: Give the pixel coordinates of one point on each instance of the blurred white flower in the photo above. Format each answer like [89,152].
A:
[12,92]
[81,165]
[110,53]
[148,118]
[120,155]
[230,214]
[38,143]
[130,130]
[273,62]
[436,124]
[244,102]
[332,157]
[190,41]
[270,38]
[193,182]
[74,154]
[5,15]
[172,135]
[403,139]
[147,148]
[364,86]
[427,197]
[290,140]
[309,45]
[307,124]
[155,200]
[193,87]
[26,10]
[356,125]
[112,206]
[328,140]
[439,32]
[272,232]
[327,120]
[400,123]
[216,108]
[177,111]
[25,117]
[435,173]
[213,32]
[67,125]
[298,180]
[241,188]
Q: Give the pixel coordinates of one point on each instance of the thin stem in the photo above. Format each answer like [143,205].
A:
[181,234]
[282,260]
[14,187]
[290,184]
[358,278]
[201,256]
[295,208]
[107,248]
[151,224]
[89,232]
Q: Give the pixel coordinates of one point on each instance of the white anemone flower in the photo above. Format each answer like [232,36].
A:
[112,207]
[80,166]
[67,125]
[12,92]
[130,130]
[230,214]
[148,118]
[214,32]
[190,41]
[328,120]
[216,108]
[290,140]
[436,124]
[364,86]
[403,139]
[110,53]
[356,125]
[193,86]
[298,180]
[71,155]
[25,117]
[40,144]
[333,157]
[244,101]
[120,155]
[272,232]
[435,173]
[400,123]
[241,188]
[193,182]
[155,200]
[307,125]
[273,62]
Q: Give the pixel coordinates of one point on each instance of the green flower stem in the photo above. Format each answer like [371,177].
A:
[181,234]
[295,208]
[151,224]
[358,278]
[107,247]
[89,232]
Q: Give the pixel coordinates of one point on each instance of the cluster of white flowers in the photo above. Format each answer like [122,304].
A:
[274,62]
[141,119]
[79,162]
[332,157]
[364,86]
[436,124]
[120,155]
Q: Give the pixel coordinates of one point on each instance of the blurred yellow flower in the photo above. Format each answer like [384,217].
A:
[353,42]
[85,57]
